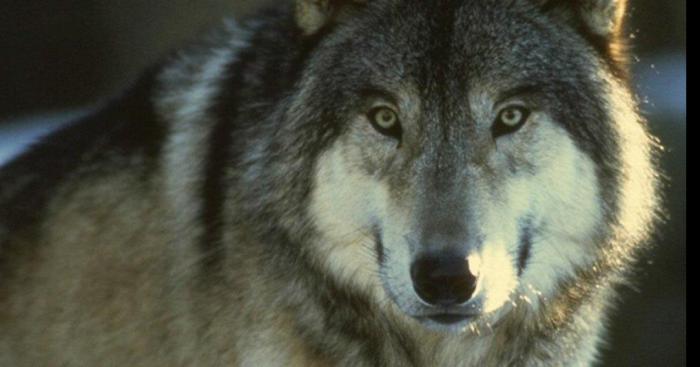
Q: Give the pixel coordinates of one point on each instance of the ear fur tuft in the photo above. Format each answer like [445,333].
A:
[312,15]
[600,21]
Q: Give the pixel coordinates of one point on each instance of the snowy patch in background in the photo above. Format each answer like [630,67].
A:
[16,135]
[661,85]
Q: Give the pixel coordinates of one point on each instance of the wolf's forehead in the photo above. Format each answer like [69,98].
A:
[459,41]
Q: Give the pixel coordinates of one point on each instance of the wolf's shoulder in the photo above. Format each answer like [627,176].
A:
[132,131]
[126,133]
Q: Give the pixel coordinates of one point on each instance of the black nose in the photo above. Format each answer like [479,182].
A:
[443,280]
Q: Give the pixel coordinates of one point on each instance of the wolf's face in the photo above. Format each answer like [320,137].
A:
[467,169]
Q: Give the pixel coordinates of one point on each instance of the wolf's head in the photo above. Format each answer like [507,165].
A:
[482,152]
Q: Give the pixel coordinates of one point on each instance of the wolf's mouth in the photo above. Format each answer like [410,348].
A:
[449,319]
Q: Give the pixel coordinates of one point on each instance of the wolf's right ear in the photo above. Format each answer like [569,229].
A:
[602,18]
[601,21]
[312,15]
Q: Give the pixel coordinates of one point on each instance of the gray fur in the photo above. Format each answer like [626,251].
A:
[236,208]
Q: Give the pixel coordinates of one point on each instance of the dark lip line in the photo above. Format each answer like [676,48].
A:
[448,318]
[465,314]
[472,309]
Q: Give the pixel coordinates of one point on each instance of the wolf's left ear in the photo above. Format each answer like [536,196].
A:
[312,15]
[603,18]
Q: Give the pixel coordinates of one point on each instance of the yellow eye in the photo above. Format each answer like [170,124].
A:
[510,120]
[512,117]
[386,121]
[385,118]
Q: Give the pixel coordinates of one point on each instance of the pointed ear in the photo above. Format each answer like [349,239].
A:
[602,18]
[312,15]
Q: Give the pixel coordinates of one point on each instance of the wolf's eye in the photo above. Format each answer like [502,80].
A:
[386,121]
[509,120]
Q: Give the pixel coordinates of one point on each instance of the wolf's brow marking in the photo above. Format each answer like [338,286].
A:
[522,90]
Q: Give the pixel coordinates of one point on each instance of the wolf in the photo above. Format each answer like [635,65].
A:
[341,183]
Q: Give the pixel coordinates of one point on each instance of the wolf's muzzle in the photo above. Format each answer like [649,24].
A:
[443,280]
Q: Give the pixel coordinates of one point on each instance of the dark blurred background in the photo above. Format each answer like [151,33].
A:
[57,58]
